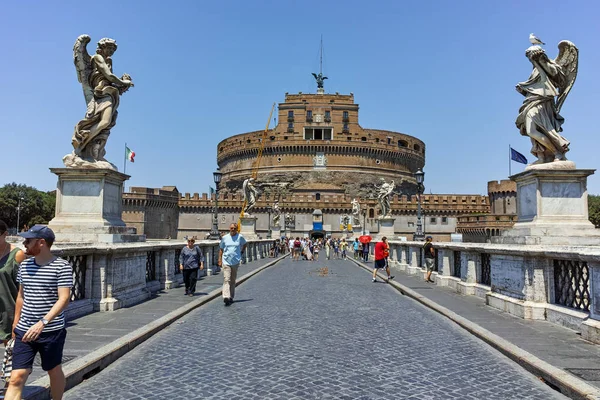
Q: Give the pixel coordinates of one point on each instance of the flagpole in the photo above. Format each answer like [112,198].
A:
[509,157]
[125,160]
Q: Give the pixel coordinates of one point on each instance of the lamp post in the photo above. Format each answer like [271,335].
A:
[214,232]
[19,211]
[364,227]
[420,177]
[269,209]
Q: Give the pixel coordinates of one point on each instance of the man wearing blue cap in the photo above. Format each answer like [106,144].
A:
[429,258]
[45,289]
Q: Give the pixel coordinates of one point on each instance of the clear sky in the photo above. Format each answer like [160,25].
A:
[443,71]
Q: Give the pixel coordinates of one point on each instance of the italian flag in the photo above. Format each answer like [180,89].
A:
[129,154]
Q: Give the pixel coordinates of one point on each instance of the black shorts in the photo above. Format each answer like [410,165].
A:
[49,344]
[380,263]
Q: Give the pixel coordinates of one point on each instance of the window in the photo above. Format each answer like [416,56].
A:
[345,129]
[444,220]
[402,143]
[371,213]
[411,224]
[417,147]
[433,220]
[327,116]
[290,114]
[291,125]
[318,196]
[389,140]
[309,115]
[317,133]
[364,138]
[345,116]
[376,140]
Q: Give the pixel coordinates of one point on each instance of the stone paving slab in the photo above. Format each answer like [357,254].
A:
[560,347]
[91,332]
[314,330]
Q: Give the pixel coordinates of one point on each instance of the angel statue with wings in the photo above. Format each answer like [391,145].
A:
[545,92]
[102,91]
[250,194]
[383,196]
[320,79]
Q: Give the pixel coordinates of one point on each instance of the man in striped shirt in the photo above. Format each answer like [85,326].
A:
[45,289]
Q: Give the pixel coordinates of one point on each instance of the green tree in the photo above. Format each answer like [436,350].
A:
[594,209]
[35,206]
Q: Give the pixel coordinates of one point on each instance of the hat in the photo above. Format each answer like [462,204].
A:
[428,238]
[39,232]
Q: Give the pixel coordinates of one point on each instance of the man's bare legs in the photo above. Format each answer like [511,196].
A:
[18,377]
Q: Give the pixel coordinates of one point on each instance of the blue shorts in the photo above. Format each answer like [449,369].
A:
[380,263]
[49,344]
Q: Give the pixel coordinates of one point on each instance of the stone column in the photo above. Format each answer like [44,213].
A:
[444,266]
[590,329]
[413,264]
[166,268]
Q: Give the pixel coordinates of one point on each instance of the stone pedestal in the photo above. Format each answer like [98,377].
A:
[552,208]
[357,230]
[386,228]
[89,207]
[276,232]
[248,228]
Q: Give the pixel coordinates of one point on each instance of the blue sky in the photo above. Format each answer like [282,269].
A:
[443,71]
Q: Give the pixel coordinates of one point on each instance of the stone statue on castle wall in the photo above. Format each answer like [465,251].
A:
[276,213]
[383,197]
[355,211]
[102,91]
[545,92]
[250,195]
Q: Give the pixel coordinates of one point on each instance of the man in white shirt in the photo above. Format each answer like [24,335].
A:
[231,249]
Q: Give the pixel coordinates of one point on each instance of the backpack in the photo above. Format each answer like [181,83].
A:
[297,243]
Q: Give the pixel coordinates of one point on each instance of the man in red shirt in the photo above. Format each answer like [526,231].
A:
[382,252]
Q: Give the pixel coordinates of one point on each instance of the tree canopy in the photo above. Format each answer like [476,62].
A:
[37,207]
[594,209]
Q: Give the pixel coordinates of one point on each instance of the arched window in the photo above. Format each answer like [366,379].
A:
[371,213]
[402,143]
[318,196]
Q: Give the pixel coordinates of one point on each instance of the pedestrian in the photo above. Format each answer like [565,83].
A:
[344,248]
[316,247]
[381,248]
[231,249]
[191,260]
[429,258]
[10,258]
[365,252]
[297,249]
[45,289]
[356,246]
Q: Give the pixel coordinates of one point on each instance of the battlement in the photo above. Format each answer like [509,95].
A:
[503,186]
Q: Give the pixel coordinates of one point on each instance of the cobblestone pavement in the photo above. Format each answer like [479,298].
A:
[322,330]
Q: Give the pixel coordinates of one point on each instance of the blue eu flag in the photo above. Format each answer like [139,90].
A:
[518,157]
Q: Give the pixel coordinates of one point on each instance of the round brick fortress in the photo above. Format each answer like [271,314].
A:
[318,140]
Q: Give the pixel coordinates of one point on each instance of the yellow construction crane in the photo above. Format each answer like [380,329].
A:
[256,163]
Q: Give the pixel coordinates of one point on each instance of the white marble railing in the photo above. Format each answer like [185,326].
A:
[554,283]
[111,276]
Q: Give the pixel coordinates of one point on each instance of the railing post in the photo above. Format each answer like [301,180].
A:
[413,262]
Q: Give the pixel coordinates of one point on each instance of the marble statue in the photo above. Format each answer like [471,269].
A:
[290,220]
[276,214]
[355,212]
[250,194]
[320,78]
[545,92]
[102,91]
[345,221]
[383,196]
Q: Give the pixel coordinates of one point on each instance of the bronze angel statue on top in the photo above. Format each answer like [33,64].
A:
[545,92]
[102,91]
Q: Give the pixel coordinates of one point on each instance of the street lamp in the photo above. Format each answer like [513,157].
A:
[364,227]
[420,177]
[19,212]
[214,233]
[269,209]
